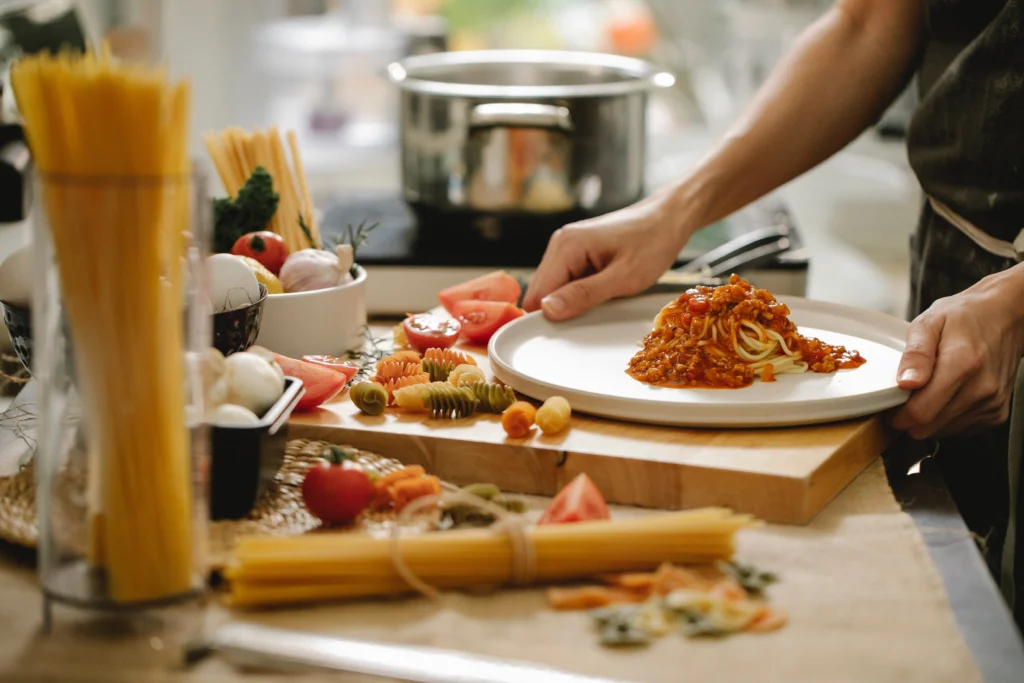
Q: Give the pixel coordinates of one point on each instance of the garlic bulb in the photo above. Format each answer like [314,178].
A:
[310,269]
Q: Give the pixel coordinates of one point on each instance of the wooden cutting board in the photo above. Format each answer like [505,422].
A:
[780,475]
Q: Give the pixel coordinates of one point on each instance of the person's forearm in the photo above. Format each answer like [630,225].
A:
[838,78]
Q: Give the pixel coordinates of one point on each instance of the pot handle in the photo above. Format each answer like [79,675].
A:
[520,115]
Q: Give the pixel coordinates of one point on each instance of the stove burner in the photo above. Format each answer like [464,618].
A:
[419,235]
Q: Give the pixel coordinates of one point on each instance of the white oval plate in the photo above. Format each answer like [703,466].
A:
[585,361]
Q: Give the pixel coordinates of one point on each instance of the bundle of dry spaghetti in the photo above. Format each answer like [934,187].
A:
[268,571]
[110,145]
[236,154]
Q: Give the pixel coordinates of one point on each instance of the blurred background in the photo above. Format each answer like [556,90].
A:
[316,66]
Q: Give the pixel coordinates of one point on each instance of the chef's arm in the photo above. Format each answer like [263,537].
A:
[838,78]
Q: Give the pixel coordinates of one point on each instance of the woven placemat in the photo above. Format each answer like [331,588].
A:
[279,511]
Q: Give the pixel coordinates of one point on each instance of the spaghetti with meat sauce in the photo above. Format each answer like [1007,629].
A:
[722,337]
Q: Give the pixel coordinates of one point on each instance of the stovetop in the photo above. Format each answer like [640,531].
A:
[414,253]
[419,238]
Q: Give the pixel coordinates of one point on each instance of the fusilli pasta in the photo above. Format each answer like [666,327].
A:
[393,369]
[412,396]
[466,375]
[437,369]
[493,397]
[448,402]
[517,420]
[449,356]
[393,385]
[553,415]
[370,397]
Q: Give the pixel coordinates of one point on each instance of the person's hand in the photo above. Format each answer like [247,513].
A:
[614,255]
[961,359]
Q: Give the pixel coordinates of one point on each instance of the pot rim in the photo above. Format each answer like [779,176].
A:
[638,75]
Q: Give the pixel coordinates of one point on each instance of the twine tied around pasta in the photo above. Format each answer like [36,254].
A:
[524,557]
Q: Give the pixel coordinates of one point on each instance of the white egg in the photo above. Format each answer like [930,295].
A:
[16,278]
[232,283]
[229,415]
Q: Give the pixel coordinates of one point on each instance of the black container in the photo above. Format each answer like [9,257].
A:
[236,330]
[19,327]
[245,460]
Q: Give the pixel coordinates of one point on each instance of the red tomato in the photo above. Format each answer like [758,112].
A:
[580,501]
[426,331]
[348,368]
[321,383]
[266,247]
[496,286]
[336,495]
[481,319]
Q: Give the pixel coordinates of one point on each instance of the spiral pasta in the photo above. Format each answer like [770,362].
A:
[413,396]
[401,356]
[447,402]
[371,398]
[394,369]
[466,375]
[493,397]
[449,356]
[437,369]
[553,416]
[393,385]
[517,420]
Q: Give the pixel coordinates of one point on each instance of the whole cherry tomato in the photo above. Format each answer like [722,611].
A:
[335,493]
[266,247]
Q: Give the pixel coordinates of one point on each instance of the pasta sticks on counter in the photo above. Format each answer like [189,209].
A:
[236,154]
[268,570]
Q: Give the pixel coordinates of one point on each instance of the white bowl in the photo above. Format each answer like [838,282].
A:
[322,322]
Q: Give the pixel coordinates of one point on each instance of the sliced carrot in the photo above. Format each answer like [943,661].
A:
[769,619]
[407,472]
[408,490]
[591,597]
[631,580]
[670,578]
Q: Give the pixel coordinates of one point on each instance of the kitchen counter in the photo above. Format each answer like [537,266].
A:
[979,612]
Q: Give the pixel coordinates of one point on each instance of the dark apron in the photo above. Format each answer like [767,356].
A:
[966,145]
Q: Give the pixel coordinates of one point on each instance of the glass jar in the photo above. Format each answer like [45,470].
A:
[120,318]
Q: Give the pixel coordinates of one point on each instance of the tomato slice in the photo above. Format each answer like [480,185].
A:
[512,313]
[580,501]
[481,319]
[426,331]
[321,383]
[496,286]
[348,368]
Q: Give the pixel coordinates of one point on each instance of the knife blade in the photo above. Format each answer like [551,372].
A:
[250,645]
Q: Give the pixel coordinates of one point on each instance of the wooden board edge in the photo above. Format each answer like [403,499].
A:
[852,458]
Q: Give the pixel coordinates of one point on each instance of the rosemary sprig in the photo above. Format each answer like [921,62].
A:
[358,236]
[308,233]
[366,358]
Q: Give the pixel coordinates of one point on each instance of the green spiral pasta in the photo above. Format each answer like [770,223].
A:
[493,397]
[437,369]
[448,402]
[370,397]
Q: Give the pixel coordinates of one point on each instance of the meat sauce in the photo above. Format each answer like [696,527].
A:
[682,350]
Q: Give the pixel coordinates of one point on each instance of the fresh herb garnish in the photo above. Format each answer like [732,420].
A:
[749,578]
[249,211]
[308,233]
[366,358]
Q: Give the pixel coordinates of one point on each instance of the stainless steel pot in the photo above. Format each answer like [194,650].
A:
[524,131]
